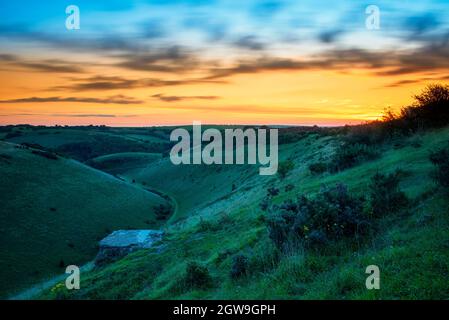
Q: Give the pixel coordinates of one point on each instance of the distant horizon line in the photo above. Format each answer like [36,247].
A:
[181,125]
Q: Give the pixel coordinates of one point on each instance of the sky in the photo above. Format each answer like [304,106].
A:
[172,62]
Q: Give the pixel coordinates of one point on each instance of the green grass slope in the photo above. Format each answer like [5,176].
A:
[123,162]
[215,224]
[54,212]
[193,187]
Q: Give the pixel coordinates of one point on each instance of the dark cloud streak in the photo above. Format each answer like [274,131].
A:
[119,99]
[165,98]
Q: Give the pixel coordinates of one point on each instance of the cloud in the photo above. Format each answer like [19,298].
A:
[172,59]
[165,98]
[429,58]
[79,115]
[120,83]
[419,80]
[249,42]
[49,65]
[330,36]
[85,115]
[118,99]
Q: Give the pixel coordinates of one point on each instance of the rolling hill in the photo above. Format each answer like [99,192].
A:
[54,210]
[216,223]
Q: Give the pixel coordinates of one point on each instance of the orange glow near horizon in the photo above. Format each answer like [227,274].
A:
[326,98]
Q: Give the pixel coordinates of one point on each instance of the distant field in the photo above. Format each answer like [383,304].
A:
[54,212]
[85,143]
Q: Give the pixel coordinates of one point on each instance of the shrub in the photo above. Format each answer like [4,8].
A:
[264,257]
[289,187]
[440,159]
[265,204]
[239,266]
[285,167]
[197,276]
[207,225]
[371,133]
[318,167]
[333,214]
[349,155]
[279,228]
[385,194]
[272,192]
[431,108]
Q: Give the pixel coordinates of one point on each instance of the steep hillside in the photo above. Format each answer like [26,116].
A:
[219,245]
[55,210]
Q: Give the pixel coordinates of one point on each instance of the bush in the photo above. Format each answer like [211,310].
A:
[265,256]
[285,167]
[197,276]
[370,134]
[349,155]
[265,204]
[208,225]
[289,188]
[333,214]
[440,159]
[385,194]
[239,266]
[431,108]
[272,192]
[318,168]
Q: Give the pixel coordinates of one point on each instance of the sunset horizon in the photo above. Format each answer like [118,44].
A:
[149,63]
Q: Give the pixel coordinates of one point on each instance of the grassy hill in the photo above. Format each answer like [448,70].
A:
[217,226]
[55,210]
[117,163]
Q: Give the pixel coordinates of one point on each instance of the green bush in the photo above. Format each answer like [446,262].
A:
[440,159]
[385,194]
[331,215]
[265,257]
[197,276]
[318,167]
[285,167]
[350,155]
[239,266]
[430,110]
[272,192]
[265,204]
[206,225]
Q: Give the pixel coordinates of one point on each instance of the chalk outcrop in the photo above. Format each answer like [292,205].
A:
[123,242]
